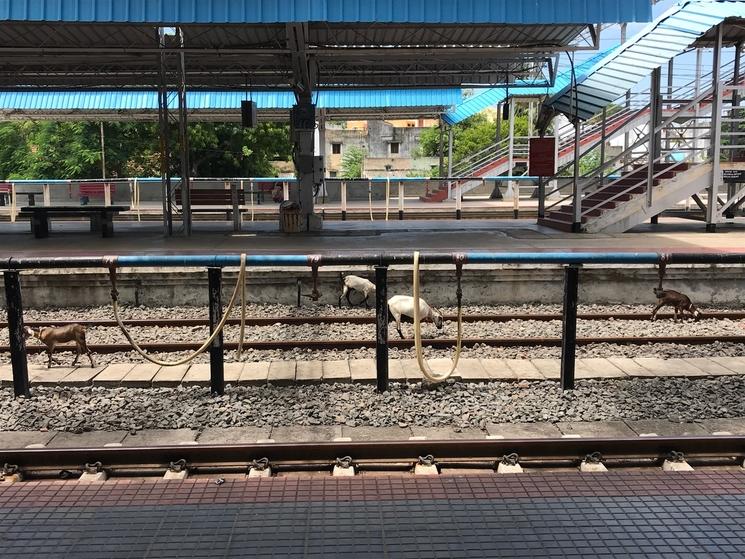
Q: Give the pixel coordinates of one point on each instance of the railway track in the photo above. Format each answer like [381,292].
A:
[391,455]
[364,319]
[438,343]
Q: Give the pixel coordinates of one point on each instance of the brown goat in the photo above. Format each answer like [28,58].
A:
[50,337]
[679,302]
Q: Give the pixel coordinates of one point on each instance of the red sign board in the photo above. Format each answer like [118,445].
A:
[542,157]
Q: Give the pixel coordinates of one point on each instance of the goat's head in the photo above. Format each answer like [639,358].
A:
[697,315]
[437,318]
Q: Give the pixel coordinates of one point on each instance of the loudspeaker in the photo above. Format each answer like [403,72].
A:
[249,118]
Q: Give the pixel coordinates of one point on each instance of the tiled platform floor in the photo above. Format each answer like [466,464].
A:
[618,514]
[363,370]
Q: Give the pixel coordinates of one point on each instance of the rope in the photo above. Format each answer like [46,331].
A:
[423,365]
[203,348]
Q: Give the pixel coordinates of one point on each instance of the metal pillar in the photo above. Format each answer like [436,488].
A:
[716,134]
[441,151]
[697,110]
[450,165]
[183,140]
[381,329]
[511,161]
[498,135]
[655,138]
[322,146]
[303,123]
[603,125]
[626,136]
[164,137]
[103,152]
[670,85]
[569,327]
[217,366]
[576,185]
[14,306]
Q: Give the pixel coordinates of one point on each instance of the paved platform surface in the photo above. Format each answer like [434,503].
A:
[617,514]
[70,238]
[330,433]
[363,370]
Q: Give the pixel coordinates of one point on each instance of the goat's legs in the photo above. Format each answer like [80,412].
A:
[78,352]
[49,354]
[654,312]
[343,293]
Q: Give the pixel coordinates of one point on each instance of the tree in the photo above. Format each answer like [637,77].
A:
[471,136]
[352,163]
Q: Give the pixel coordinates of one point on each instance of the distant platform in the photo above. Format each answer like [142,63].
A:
[509,235]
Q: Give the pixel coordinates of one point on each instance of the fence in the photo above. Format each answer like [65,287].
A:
[215,263]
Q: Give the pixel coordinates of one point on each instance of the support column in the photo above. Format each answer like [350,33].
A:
[302,127]
[712,212]
[697,110]
[217,366]
[569,327]
[164,136]
[511,161]
[184,139]
[626,136]
[655,138]
[603,125]
[322,147]
[670,86]
[14,306]
[381,338]
[441,151]
[576,185]
[450,160]
[498,135]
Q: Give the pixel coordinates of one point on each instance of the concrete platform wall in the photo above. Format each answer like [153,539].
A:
[503,285]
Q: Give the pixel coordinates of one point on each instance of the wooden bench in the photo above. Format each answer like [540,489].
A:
[216,200]
[6,190]
[96,190]
[102,217]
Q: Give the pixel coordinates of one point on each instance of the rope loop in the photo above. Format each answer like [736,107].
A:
[423,365]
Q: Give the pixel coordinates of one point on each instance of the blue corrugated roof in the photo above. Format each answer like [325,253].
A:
[132,100]
[280,11]
[494,95]
[669,35]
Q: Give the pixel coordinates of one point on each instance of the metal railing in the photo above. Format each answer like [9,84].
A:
[11,268]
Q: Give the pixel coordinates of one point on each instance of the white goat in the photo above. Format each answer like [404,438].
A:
[356,283]
[403,305]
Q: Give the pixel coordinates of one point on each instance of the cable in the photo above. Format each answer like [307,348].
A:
[203,348]
[423,365]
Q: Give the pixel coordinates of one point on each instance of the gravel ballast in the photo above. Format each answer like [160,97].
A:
[455,404]
[346,331]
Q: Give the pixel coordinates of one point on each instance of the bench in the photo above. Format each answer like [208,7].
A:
[95,190]
[102,217]
[216,199]
[6,190]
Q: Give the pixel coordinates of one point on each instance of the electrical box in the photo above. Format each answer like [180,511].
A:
[303,116]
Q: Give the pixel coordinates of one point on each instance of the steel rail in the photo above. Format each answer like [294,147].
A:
[361,319]
[210,456]
[439,343]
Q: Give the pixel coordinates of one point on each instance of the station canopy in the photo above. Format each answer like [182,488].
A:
[259,44]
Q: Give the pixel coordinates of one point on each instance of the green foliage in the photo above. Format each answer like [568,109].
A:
[35,150]
[352,162]
[470,136]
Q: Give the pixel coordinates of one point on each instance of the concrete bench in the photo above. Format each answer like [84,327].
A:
[101,217]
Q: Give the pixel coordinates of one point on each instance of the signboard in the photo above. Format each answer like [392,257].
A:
[733,175]
[542,157]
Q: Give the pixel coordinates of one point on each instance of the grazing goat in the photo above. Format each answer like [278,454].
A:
[356,283]
[50,337]
[680,303]
[403,306]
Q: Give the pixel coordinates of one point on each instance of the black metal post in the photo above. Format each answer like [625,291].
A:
[15,330]
[217,368]
[541,198]
[381,337]
[569,327]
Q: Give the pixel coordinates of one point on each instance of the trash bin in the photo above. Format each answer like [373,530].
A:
[84,200]
[289,217]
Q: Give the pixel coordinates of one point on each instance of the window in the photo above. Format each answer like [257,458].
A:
[336,149]
[394,147]
[332,174]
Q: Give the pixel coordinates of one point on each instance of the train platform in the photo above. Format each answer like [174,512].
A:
[520,235]
[542,514]
[290,372]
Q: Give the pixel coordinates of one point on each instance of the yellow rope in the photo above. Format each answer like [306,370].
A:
[423,365]
[203,348]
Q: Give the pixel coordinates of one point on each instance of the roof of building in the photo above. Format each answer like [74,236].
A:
[224,105]
[671,34]
[282,11]
[490,97]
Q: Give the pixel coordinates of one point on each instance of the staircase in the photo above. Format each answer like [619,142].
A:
[621,204]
